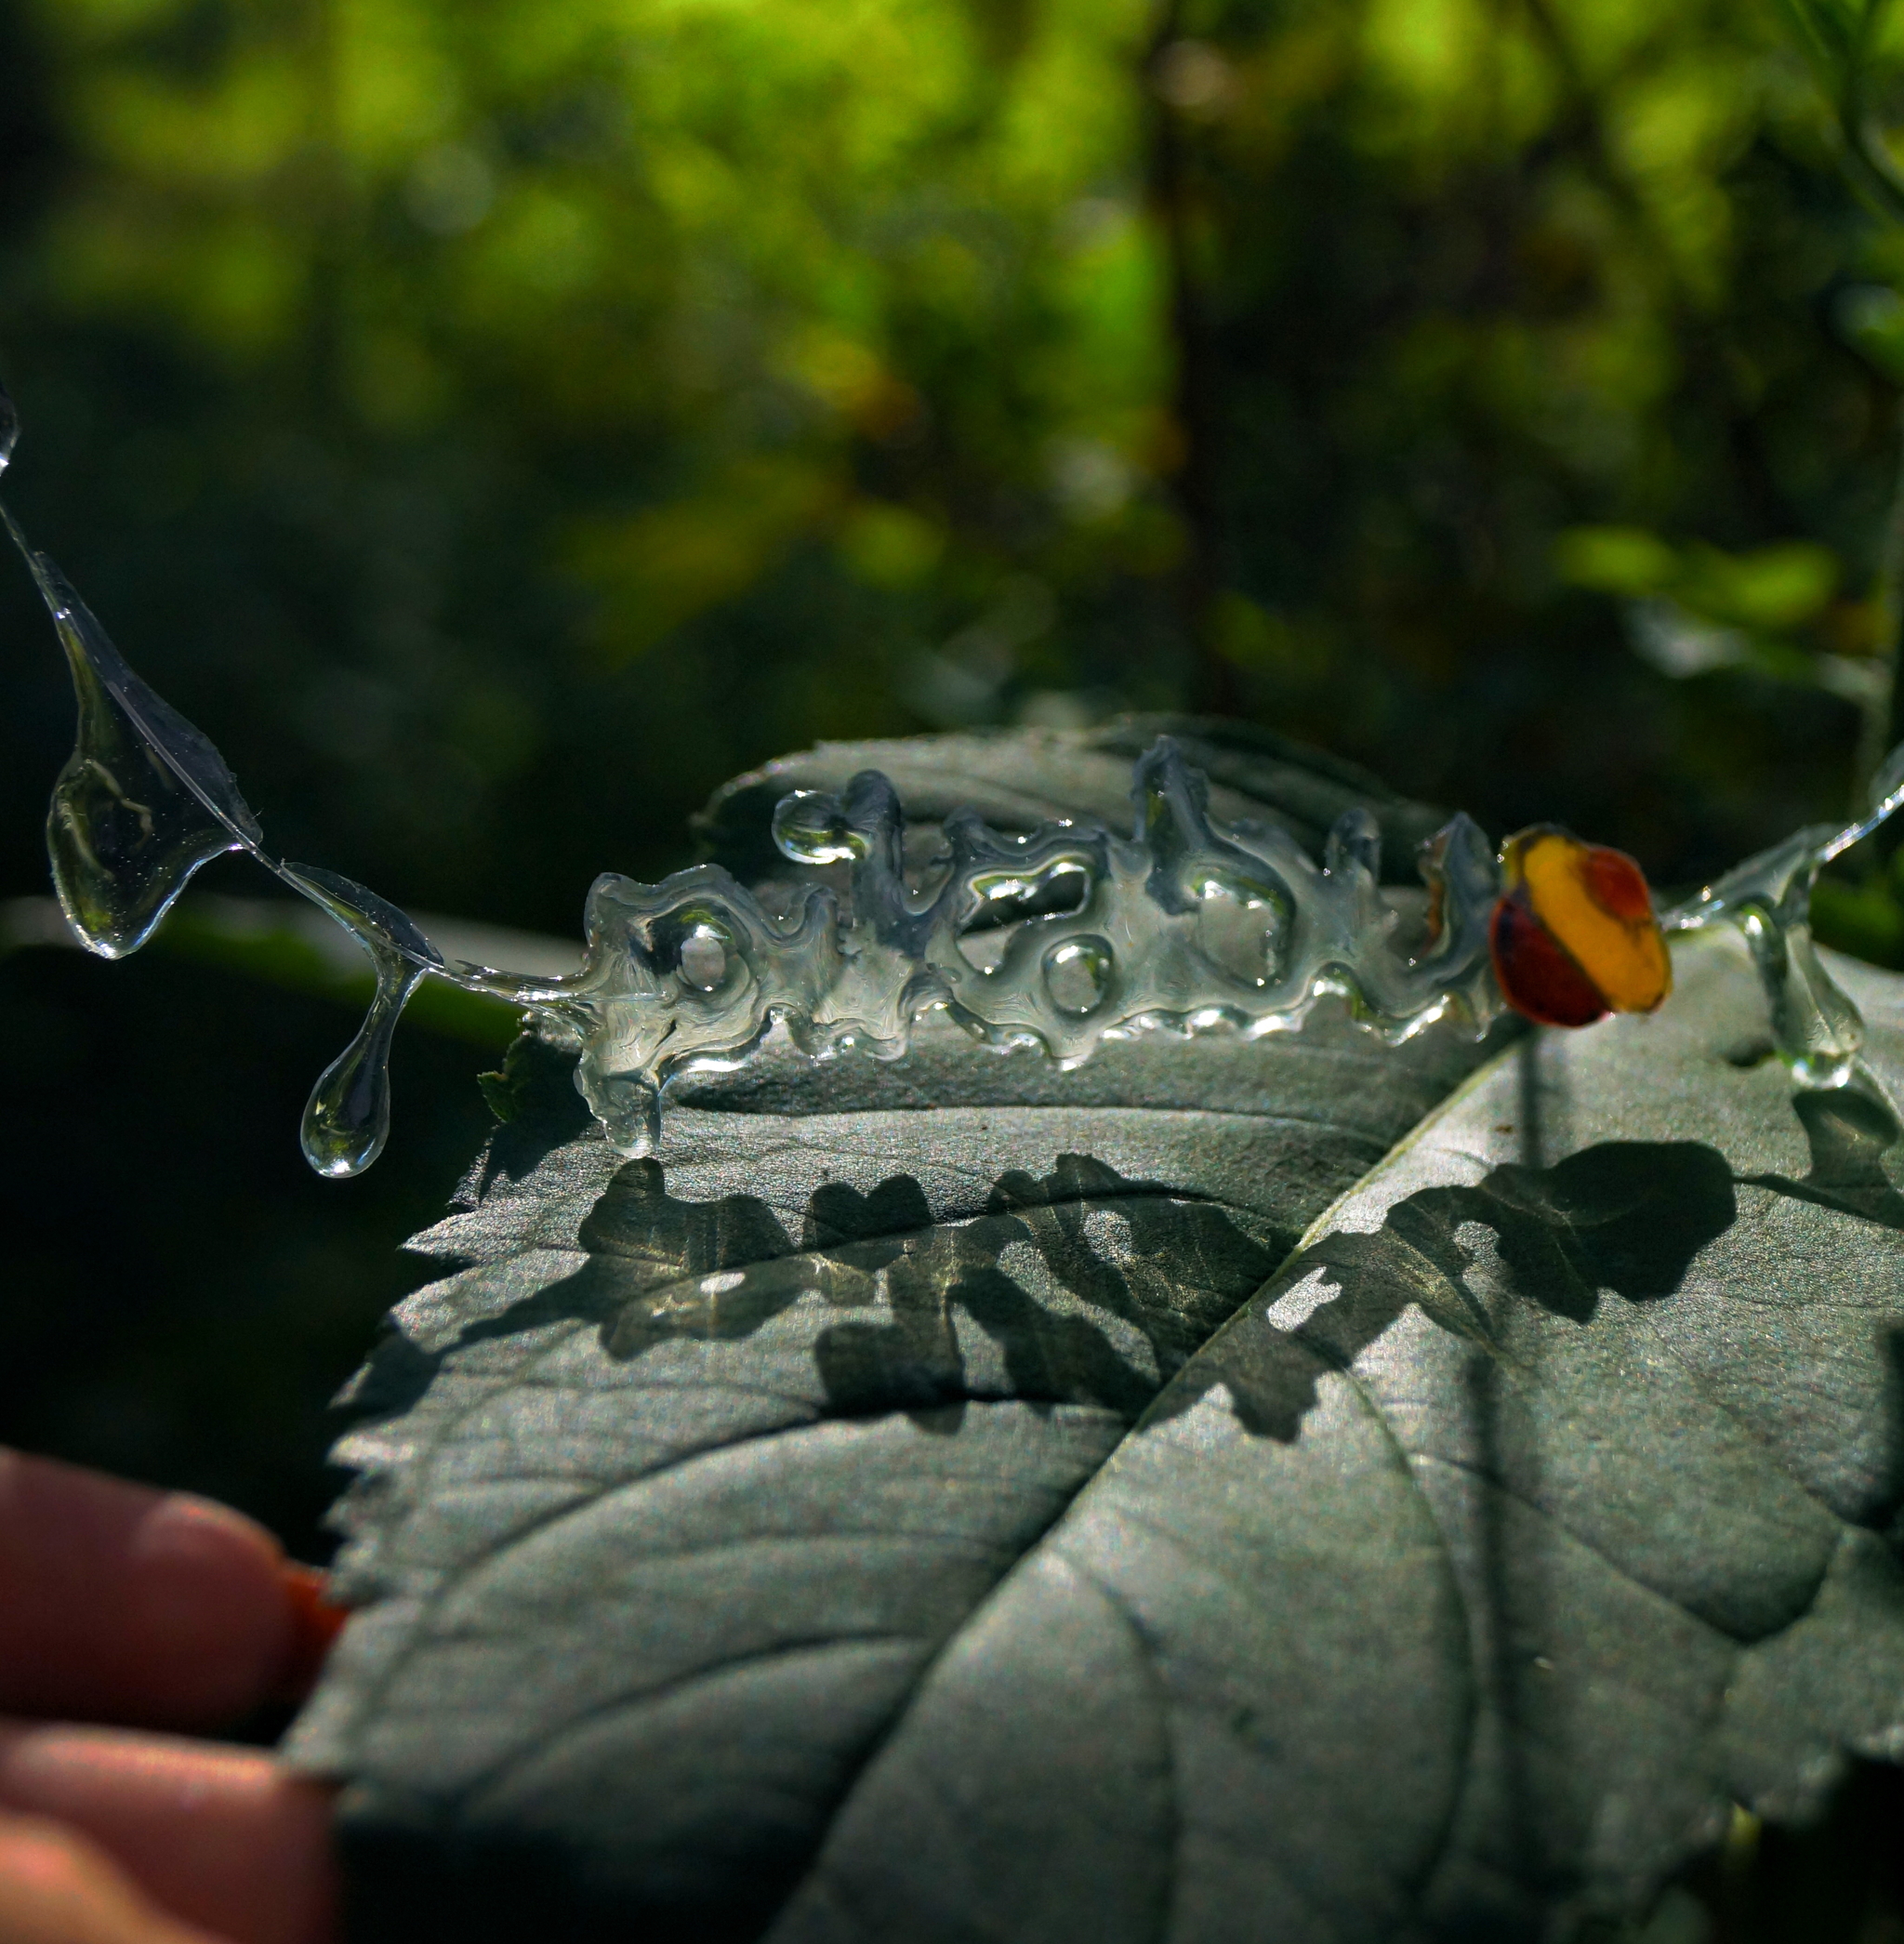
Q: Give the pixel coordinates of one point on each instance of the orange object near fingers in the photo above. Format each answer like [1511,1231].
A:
[1573,936]
[316,1623]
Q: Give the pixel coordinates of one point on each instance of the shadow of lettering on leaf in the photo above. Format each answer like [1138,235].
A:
[1187,1267]
[638,1239]
[1849,1131]
[854,1419]
[1104,1326]
[1624,1215]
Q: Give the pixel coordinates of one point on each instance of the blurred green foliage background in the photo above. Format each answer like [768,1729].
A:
[495,423]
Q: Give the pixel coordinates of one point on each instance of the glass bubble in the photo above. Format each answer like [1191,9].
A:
[1078,975]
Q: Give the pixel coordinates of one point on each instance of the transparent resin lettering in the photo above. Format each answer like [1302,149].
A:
[1056,941]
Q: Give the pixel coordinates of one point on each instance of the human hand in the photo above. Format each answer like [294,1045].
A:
[148,1611]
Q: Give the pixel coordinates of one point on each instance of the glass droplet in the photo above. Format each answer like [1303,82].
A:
[1078,975]
[627,1106]
[143,801]
[1242,923]
[809,829]
[703,958]
[125,830]
[1055,890]
[347,1120]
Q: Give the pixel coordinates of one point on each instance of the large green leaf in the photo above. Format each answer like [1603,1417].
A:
[927,1502]
[1540,1509]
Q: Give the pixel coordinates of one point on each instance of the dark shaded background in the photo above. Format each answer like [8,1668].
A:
[496,423]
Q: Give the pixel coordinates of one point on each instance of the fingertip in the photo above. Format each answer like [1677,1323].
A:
[122,1602]
[183,1528]
[208,1621]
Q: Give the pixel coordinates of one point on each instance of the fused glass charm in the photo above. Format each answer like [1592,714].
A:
[1573,936]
